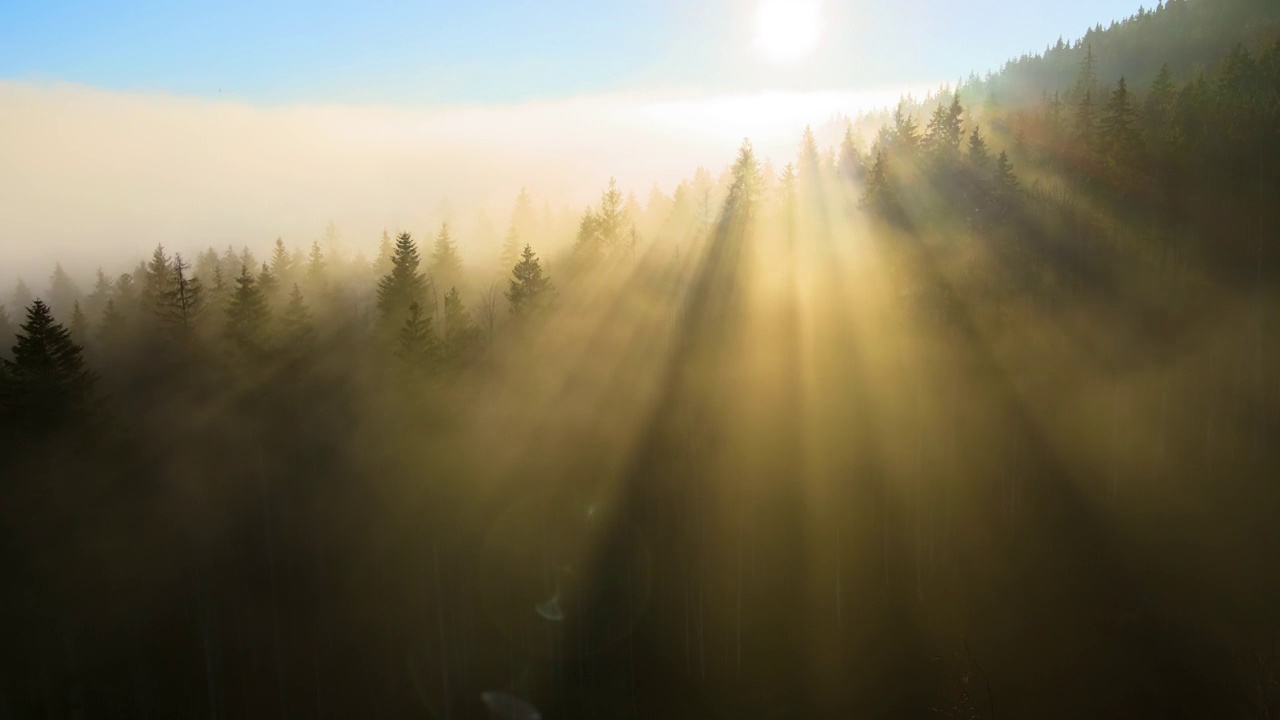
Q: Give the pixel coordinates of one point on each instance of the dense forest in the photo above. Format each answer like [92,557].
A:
[971,416]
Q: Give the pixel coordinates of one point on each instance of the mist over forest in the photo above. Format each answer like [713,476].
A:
[963,404]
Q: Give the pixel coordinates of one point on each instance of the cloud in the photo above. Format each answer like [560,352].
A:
[92,176]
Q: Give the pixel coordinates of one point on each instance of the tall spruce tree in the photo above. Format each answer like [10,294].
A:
[78,325]
[248,317]
[297,330]
[403,285]
[45,384]
[461,337]
[528,290]
[183,303]
[446,263]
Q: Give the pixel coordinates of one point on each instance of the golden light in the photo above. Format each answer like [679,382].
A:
[787,30]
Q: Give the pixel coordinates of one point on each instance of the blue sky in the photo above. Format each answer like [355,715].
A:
[506,51]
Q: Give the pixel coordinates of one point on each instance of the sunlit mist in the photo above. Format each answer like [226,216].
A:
[786,31]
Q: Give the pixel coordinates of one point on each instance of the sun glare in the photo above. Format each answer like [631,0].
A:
[787,30]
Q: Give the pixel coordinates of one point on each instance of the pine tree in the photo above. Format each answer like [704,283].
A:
[808,164]
[403,285]
[45,384]
[113,329]
[511,248]
[446,264]
[79,325]
[282,266]
[1086,113]
[268,285]
[6,332]
[610,218]
[219,292]
[461,337]
[298,330]
[183,302]
[248,316]
[905,134]
[1158,106]
[386,251]
[157,286]
[879,196]
[979,156]
[97,298]
[62,292]
[528,290]
[21,296]
[588,244]
[125,295]
[744,192]
[1119,126]
[850,158]
[1005,184]
[524,219]
[317,270]
[416,344]
[206,262]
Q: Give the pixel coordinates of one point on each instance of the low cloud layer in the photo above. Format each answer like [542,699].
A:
[91,177]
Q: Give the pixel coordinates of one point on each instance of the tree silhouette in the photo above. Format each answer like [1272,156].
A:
[446,264]
[403,285]
[45,384]
[528,290]
[248,317]
[416,344]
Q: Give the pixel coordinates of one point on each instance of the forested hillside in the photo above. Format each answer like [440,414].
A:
[970,416]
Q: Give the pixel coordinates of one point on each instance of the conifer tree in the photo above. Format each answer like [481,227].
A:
[744,192]
[113,331]
[78,326]
[610,218]
[219,292]
[248,316]
[879,195]
[528,290]
[905,134]
[386,251]
[45,383]
[446,264]
[978,153]
[416,345]
[808,163]
[461,337]
[317,270]
[282,265]
[125,295]
[588,244]
[850,158]
[403,285]
[6,332]
[1119,126]
[1005,185]
[1158,106]
[511,248]
[97,298]
[62,292]
[268,285]
[21,296]
[157,286]
[183,302]
[523,218]
[298,329]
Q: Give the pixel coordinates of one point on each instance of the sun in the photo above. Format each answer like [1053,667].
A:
[787,30]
